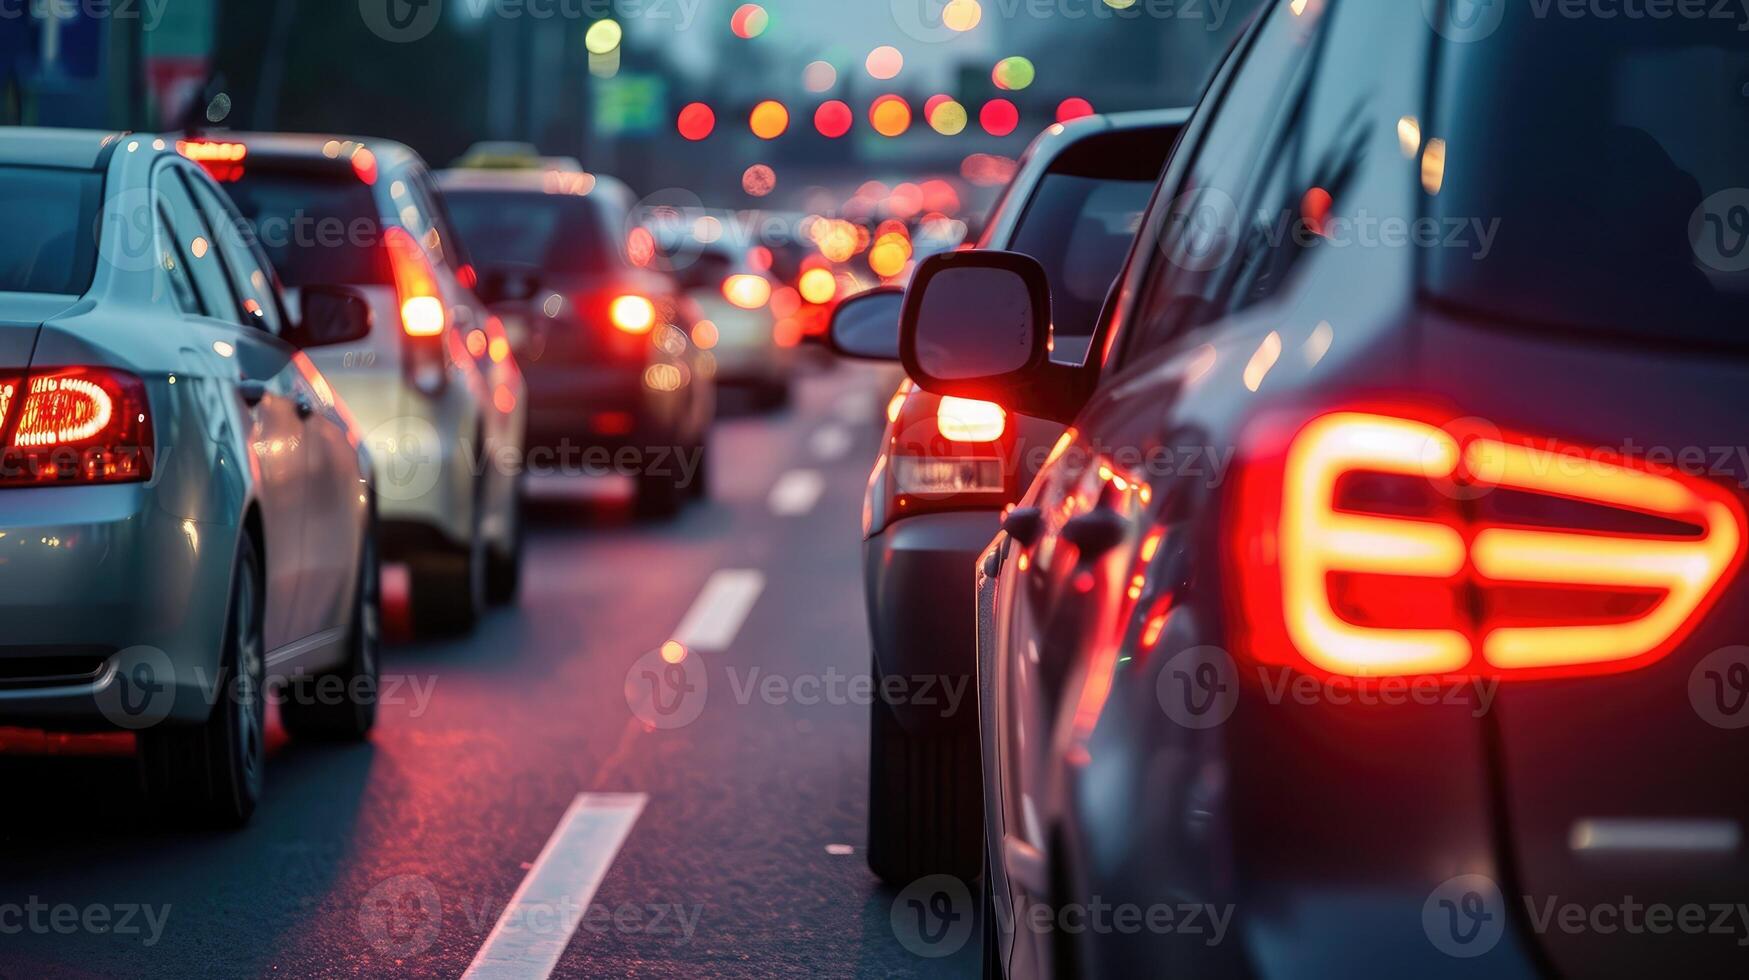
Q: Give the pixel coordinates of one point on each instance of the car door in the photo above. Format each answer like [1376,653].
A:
[257,367]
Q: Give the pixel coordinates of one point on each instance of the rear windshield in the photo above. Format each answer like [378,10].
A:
[317,228]
[557,233]
[49,244]
[1079,228]
[1613,158]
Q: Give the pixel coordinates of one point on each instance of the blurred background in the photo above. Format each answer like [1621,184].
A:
[783,105]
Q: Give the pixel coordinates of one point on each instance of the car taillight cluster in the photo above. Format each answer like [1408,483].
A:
[416,292]
[945,452]
[75,425]
[1376,545]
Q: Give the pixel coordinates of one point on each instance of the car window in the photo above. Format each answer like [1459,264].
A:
[1079,229]
[251,278]
[421,217]
[175,265]
[1625,207]
[1208,236]
[554,232]
[194,246]
[51,219]
[317,228]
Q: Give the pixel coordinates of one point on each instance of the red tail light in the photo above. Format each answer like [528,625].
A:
[632,314]
[1377,545]
[945,453]
[224,161]
[423,313]
[73,426]
[747,291]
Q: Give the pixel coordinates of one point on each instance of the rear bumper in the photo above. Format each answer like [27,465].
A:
[114,609]
[918,578]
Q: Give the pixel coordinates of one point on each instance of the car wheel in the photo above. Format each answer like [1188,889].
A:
[449,587]
[344,709]
[504,565]
[925,801]
[213,772]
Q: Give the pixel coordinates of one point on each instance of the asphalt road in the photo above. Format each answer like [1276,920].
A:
[719,802]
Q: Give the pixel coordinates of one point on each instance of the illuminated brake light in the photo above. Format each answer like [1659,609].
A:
[224,161]
[1457,592]
[970,420]
[749,292]
[633,314]
[75,425]
[423,313]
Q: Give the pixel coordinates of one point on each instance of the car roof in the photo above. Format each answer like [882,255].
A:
[79,149]
[311,146]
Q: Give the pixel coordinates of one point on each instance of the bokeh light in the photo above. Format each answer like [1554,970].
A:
[603,37]
[1073,108]
[696,121]
[962,15]
[640,246]
[999,117]
[833,119]
[885,62]
[890,115]
[1120,4]
[949,118]
[819,76]
[817,286]
[932,103]
[769,119]
[1013,73]
[749,21]
[759,180]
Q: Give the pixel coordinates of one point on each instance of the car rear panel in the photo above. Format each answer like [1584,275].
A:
[1623,795]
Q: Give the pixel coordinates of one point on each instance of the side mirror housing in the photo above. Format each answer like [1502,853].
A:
[331,315]
[976,324]
[866,326]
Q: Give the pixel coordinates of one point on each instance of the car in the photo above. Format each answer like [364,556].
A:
[615,379]
[434,383]
[1380,611]
[187,509]
[736,300]
[950,465]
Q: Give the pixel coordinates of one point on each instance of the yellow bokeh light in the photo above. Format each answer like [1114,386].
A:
[963,15]
[890,116]
[949,118]
[603,37]
[817,286]
[769,119]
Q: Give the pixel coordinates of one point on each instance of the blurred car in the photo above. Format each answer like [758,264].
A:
[433,384]
[606,343]
[1369,600]
[186,508]
[949,466]
[736,300]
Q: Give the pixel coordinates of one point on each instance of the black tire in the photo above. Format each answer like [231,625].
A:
[925,801]
[341,705]
[449,588]
[213,772]
[504,566]
[659,496]
[700,487]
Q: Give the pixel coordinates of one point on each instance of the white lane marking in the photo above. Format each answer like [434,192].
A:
[830,442]
[577,486]
[795,492]
[544,913]
[720,609]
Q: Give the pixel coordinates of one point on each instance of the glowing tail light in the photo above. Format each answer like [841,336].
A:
[970,420]
[423,313]
[633,314]
[223,160]
[747,291]
[1447,587]
[74,425]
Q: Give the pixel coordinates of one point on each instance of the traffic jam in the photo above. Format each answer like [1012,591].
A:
[987,488]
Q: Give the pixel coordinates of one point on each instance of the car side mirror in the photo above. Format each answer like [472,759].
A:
[866,325]
[331,315]
[977,324]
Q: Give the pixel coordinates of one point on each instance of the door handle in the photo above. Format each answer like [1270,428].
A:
[1095,532]
[1023,525]
[252,391]
[306,408]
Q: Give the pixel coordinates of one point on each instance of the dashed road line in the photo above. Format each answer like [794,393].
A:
[720,609]
[796,492]
[830,442]
[543,915]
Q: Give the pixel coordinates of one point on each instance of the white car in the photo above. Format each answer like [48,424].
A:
[434,385]
[186,508]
